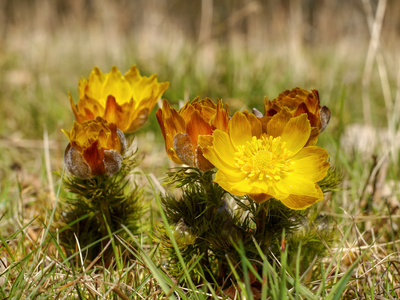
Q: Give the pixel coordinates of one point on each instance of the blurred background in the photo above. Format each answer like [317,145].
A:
[237,50]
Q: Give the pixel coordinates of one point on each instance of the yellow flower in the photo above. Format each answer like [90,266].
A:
[95,148]
[299,101]
[274,165]
[192,125]
[125,101]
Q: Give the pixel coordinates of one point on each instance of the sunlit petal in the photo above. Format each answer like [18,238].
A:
[134,97]
[296,133]
[194,122]
[239,129]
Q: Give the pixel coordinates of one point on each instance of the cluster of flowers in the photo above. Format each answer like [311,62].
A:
[263,156]
[260,156]
[270,155]
[110,105]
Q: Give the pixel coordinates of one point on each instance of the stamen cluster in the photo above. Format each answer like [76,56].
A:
[264,159]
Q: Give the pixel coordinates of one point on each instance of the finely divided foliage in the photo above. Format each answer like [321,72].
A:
[260,159]
[248,203]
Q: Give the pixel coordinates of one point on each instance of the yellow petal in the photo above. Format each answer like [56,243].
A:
[92,87]
[117,86]
[138,119]
[302,202]
[296,133]
[223,147]
[310,163]
[225,183]
[86,109]
[131,112]
[239,129]
[246,186]
[211,156]
[186,111]
[205,141]
[295,185]
[132,75]
[313,137]
[255,124]
[278,122]
[221,163]
[144,87]
[201,162]
[173,156]
[272,190]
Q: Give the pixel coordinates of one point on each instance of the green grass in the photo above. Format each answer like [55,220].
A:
[34,82]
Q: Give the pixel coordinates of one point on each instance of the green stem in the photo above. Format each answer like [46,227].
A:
[105,211]
[206,183]
[261,220]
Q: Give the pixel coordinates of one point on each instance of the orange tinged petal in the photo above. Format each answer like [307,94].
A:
[138,120]
[113,112]
[132,75]
[94,157]
[221,118]
[278,122]
[200,161]
[260,198]
[205,141]
[298,101]
[195,121]
[85,156]
[255,124]
[197,126]
[186,111]
[314,119]
[299,202]
[159,116]
[134,97]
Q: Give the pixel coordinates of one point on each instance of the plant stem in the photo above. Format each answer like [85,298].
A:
[260,220]
[107,231]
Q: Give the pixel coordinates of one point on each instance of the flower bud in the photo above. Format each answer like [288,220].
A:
[188,130]
[95,148]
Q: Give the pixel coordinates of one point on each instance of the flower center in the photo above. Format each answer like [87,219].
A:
[264,159]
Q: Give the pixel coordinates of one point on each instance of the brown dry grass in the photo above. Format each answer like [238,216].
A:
[239,51]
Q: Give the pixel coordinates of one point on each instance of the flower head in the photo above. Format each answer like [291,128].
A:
[276,164]
[125,101]
[95,148]
[185,130]
[299,101]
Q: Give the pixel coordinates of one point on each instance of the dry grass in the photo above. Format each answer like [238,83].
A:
[233,50]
